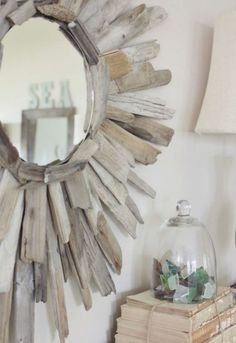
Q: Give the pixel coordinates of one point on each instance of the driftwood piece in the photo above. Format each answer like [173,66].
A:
[120,212]
[8,247]
[149,130]
[63,10]
[129,25]
[78,190]
[118,64]
[117,114]
[141,184]
[64,260]
[84,151]
[55,273]
[23,305]
[105,15]
[116,187]
[90,98]
[34,225]
[89,8]
[85,293]
[141,52]
[100,272]
[40,281]
[7,8]
[5,312]
[9,193]
[134,209]
[141,150]
[141,105]
[80,38]
[9,157]
[63,171]
[110,159]
[31,172]
[22,13]
[104,235]
[142,76]
[99,74]
[59,212]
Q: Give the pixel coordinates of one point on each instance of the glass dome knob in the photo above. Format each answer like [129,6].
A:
[183,208]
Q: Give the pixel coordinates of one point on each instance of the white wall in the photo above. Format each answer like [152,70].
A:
[199,168]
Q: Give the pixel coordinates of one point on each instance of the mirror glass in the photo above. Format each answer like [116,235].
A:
[43,75]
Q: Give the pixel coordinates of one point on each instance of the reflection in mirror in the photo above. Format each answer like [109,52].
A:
[42,70]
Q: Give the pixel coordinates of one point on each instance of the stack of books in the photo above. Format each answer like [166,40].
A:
[164,322]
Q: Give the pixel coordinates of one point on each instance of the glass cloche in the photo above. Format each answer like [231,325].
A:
[184,267]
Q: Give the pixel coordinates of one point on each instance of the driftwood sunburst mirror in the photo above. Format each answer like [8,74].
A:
[53,217]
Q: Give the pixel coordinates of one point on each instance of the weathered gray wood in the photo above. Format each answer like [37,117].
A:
[141,150]
[104,235]
[141,184]
[84,151]
[64,259]
[149,130]
[9,157]
[55,273]
[105,15]
[142,76]
[118,63]
[77,34]
[100,79]
[141,105]
[9,193]
[63,171]
[78,190]
[134,209]
[90,98]
[22,317]
[116,187]
[30,172]
[141,52]
[117,114]
[89,8]
[8,247]
[8,7]
[129,25]
[63,10]
[5,312]
[59,213]
[121,212]
[110,159]
[40,281]
[100,272]
[22,13]
[34,225]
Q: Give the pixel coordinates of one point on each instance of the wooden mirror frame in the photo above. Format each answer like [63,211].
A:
[52,217]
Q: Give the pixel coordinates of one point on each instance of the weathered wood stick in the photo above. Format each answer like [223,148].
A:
[85,293]
[30,172]
[9,193]
[118,64]
[142,52]
[99,74]
[34,225]
[40,281]
[141,105]
[110,159]
[9,156]
[105,15]
[82,41]
[78,190]
[143,76]
[23,305]
[141,184]
[141,150]
[116,187]
[8,247]
[5,312]
[100,272]
[117,114]
[64,259]
[56,284]
[89,8]
[134,209]
[22,13]
[63,10]
[149,130]
[129,25]
[7,8]
[121,212]
[59,212]
[90,98]
[63,171]
[84,151]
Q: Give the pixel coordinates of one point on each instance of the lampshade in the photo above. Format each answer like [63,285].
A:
[218,112]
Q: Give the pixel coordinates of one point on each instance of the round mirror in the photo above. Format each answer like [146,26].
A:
[42,98]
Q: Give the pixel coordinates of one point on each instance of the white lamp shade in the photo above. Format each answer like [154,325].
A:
[218,112]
